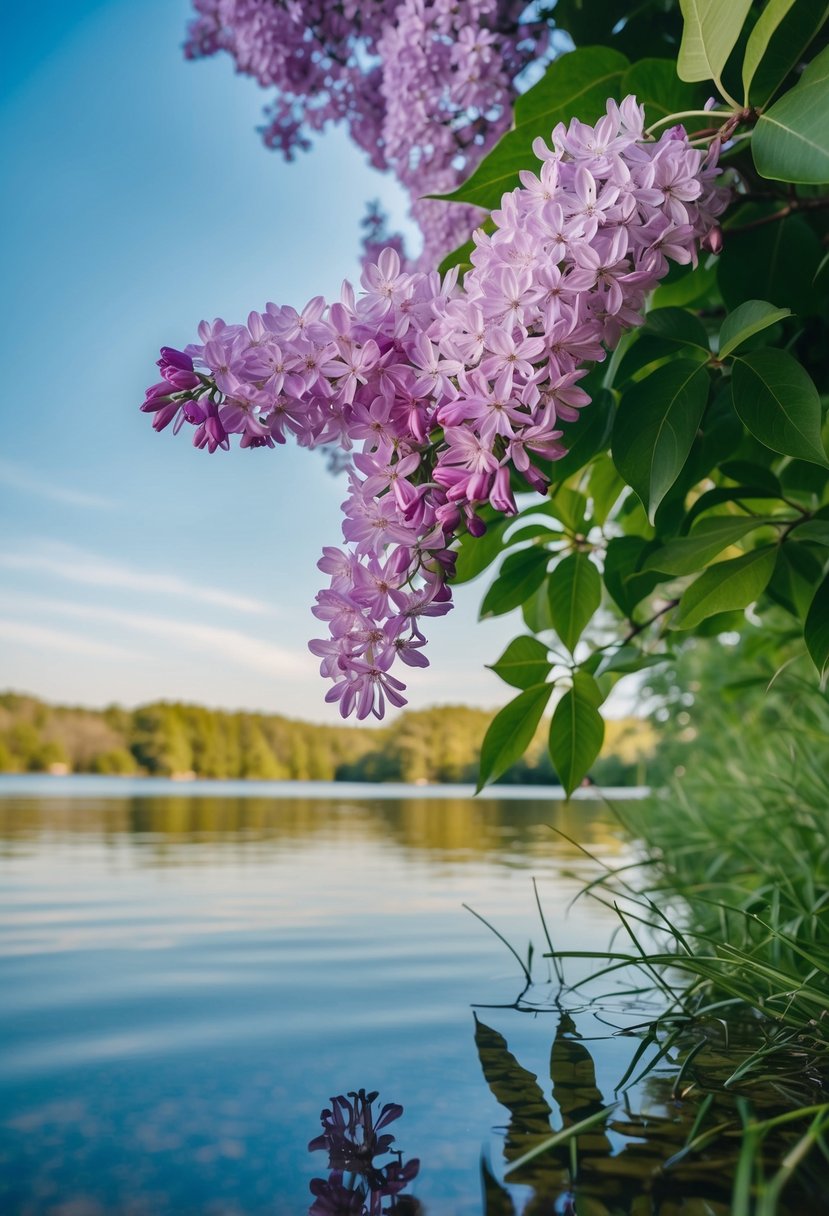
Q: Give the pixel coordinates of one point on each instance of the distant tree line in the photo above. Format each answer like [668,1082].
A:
[175,739]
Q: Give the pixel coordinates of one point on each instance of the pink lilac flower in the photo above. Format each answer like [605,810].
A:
[442,393]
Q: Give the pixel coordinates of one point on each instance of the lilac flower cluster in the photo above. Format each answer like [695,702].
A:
[350,1136]
[424,86]
[443,394]
[448,72]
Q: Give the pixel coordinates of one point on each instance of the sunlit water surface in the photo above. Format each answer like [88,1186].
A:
[188,973]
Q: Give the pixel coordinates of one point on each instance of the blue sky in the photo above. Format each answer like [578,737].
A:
[140,200]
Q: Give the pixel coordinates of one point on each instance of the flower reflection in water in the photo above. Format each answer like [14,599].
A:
[357,1184]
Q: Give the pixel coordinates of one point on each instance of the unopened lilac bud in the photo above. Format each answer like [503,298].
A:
[712,241]
[501,497]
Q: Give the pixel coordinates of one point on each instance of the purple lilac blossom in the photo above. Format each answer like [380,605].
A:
[425,87]
[441,391]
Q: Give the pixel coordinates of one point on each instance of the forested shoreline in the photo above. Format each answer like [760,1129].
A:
[163,738]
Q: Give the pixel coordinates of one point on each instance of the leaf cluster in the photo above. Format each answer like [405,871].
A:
[694,498]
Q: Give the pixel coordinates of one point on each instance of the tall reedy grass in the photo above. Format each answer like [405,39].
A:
[725,912]
[737,881]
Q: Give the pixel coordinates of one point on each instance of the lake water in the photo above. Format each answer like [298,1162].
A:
[190,972]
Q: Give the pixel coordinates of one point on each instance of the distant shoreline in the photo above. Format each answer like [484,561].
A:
[184,743]
[81,784]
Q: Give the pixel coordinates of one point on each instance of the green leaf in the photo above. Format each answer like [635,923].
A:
[796,575]
[774,262]
[523,663]
[816,629]
[520,575]
[568,506]
[759,39]
[745,495]
[787,48]
[677,325]
[720,622]
[575,594]
[803,480]
[458,257]
[745,321]
[791,140]
[814,530]
[655,84]
[587,21]
[536,610]
[665,332]
[462,255]
[746,473]
[605,487]
[709,538]
[576,731]
[623,577]
[726,587]
[710,31]
[647,354]
[778,402]
[577,84]
[685,285]
[628,659]
[589,434]
[511,732]
[533,532]
[478,552]
[722,434]
[655,426]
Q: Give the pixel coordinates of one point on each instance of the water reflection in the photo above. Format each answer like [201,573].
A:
[183,975]
[456,828]
[184,978]
[359,1181]
[659,1147]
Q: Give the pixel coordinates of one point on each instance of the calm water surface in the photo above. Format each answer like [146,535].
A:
[188,973]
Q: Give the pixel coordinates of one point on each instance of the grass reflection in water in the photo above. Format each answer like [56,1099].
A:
[659,1145]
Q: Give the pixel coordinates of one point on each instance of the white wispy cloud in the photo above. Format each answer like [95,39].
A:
[231,645]
[19,478]
[79,566]
[24,633]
